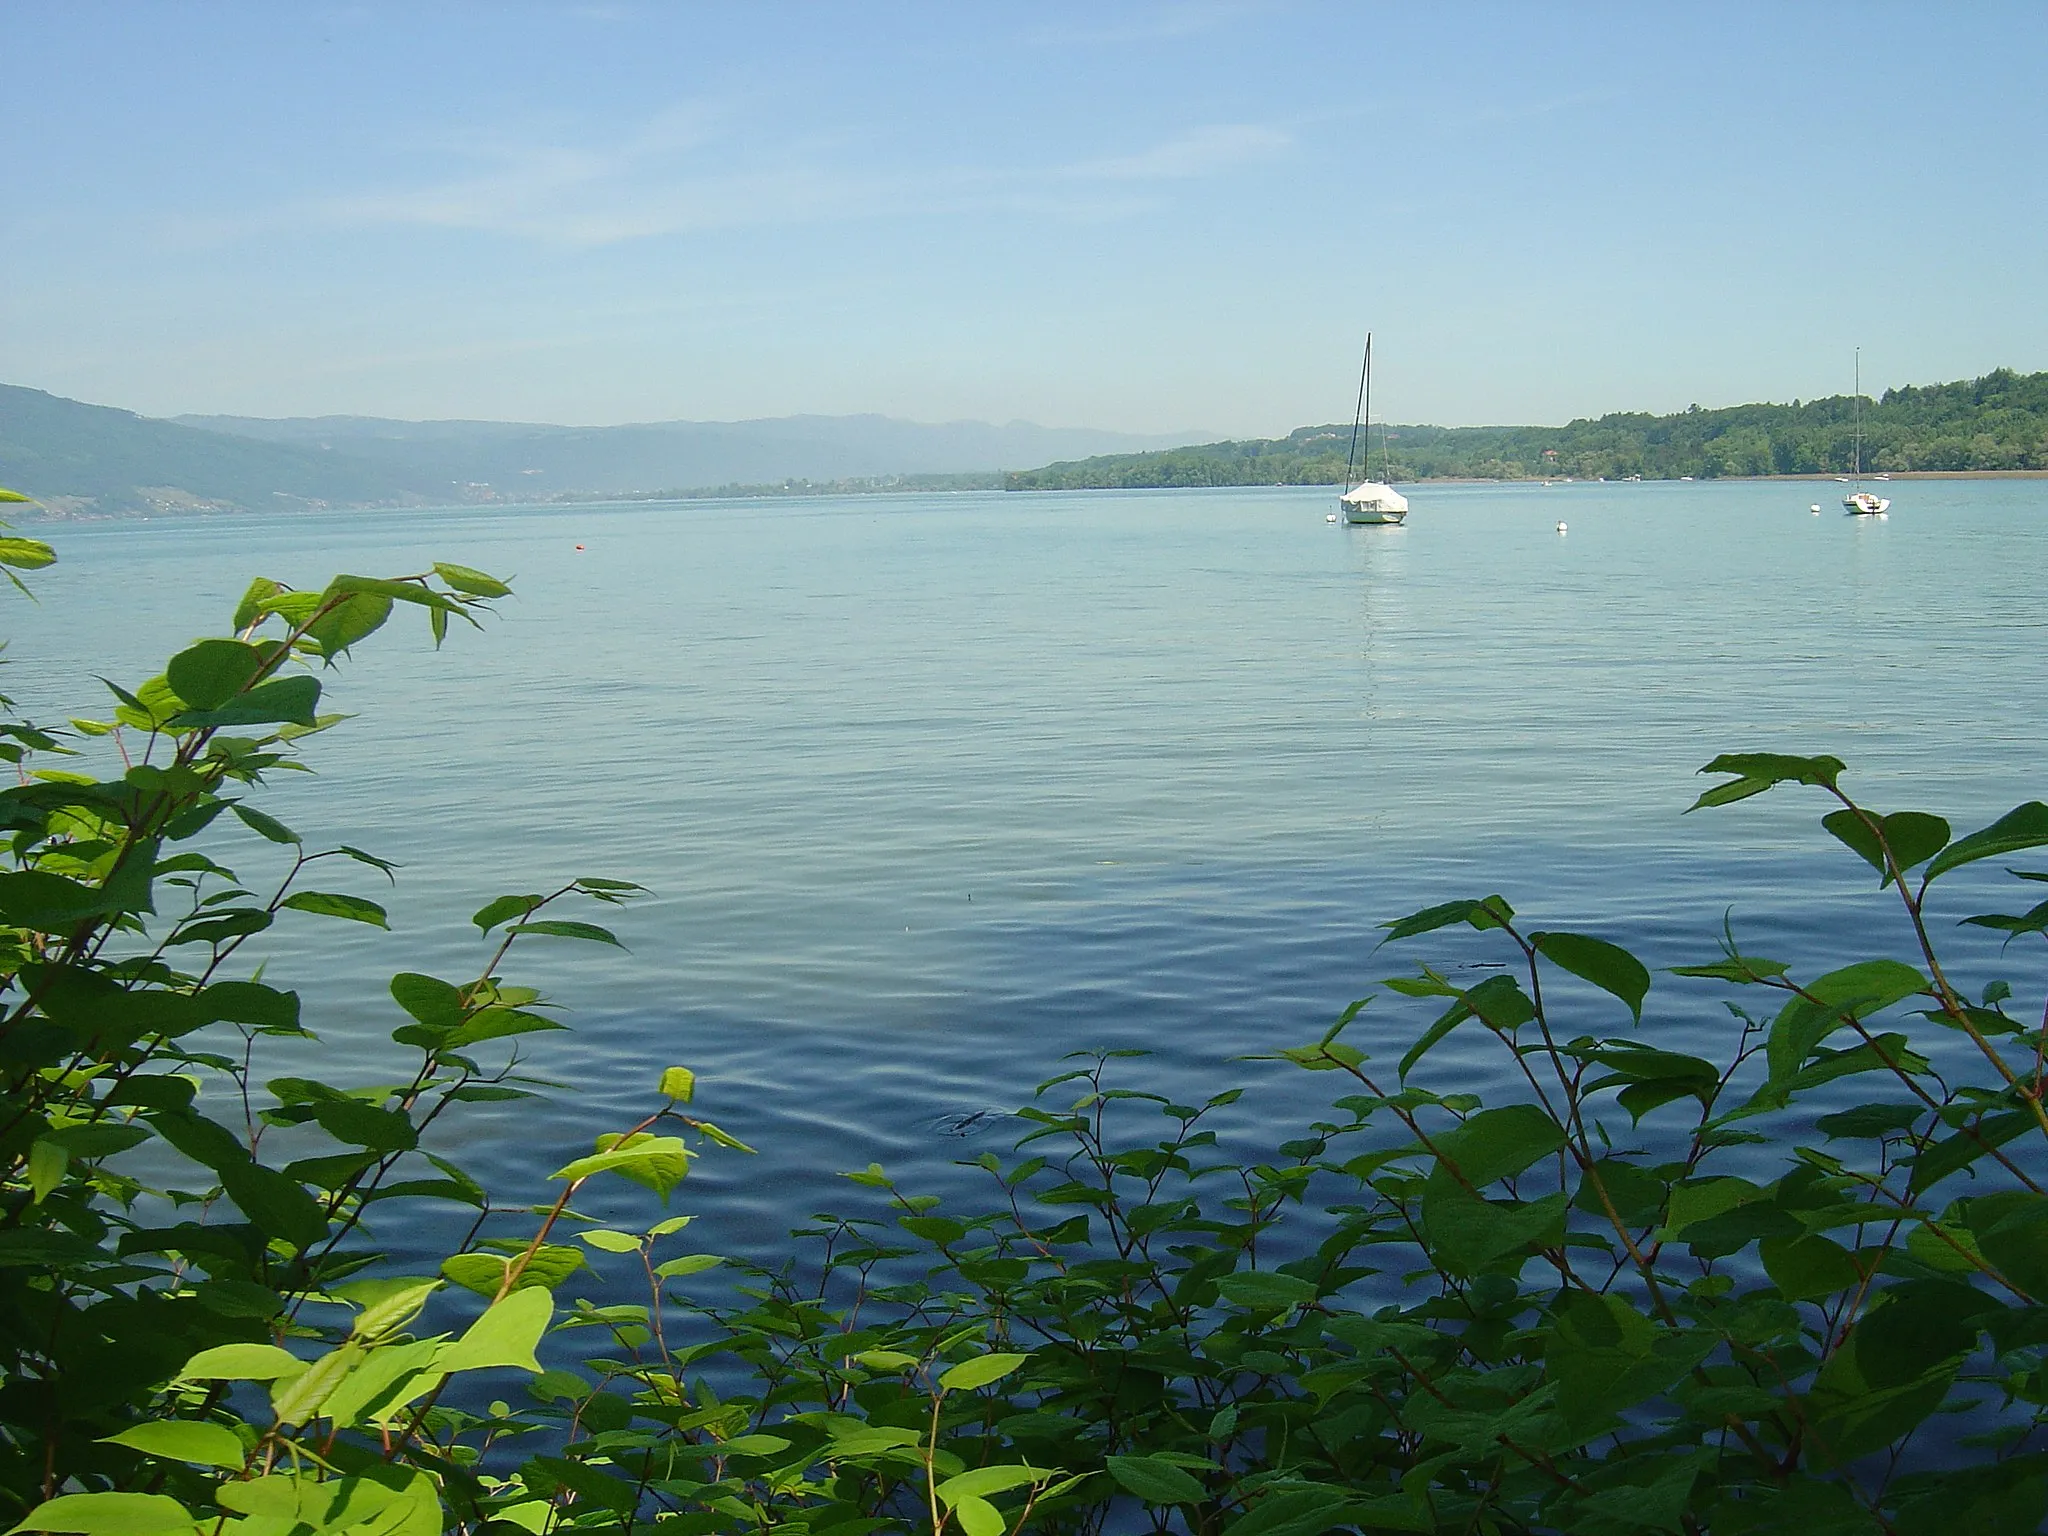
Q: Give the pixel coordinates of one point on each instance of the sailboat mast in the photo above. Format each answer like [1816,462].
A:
[1358,413]
[1859,419]
[1367,405]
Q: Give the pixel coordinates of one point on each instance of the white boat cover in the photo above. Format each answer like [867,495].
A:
[1383,498]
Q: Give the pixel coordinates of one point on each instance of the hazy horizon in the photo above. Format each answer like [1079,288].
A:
[1179,219]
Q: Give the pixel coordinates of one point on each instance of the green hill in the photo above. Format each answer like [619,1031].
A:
[81,458]
[1998,422]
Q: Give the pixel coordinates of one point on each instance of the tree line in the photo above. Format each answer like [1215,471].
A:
[1997,422]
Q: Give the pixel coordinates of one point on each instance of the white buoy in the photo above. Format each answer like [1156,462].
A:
[1329,517]
[1560,527]
[1814,509]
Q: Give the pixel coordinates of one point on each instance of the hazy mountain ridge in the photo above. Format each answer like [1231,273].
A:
[536,458]
[92,459]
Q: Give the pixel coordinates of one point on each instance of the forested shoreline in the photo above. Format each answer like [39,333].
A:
[1997,422]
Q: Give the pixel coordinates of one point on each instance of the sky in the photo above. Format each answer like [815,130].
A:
[1151,217]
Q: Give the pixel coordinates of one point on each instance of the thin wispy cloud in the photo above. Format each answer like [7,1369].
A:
[674,173]
[1199,152]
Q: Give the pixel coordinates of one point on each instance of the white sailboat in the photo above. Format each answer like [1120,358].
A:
[1859,502]
[1370,501]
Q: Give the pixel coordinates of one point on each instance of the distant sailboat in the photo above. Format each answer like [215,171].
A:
[1859,502]
[1369,501]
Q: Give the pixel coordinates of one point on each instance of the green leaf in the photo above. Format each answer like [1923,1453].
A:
[2024,826]
[693,1264]
[978,1517]
[980,1482]
[333,904]
[659,1162]
[611,1242]
[388,1305]
[1607,966]
[1756,772]
[434,1002]
[242,1362]
[484,1273]
[25,554]
[1499,1143]
[679,1084]
[264,826]
[210,673]
[498,1024]
[346,616]
[282,701]
[1488,912]
[1745,969]
[206,1445]
[506,1335]
[1855,991]
[45,1171]
[251,608]
[980,1371]
[1869,1122]
[473,582]
[495,912]
[301,1398]
[108,1514]
[278,1205]
[1155,1481]
[2011,1228]
[1434,1036]
[1470,1234]
[1808,1267]
[366,1125]
[1265,1288]
[561,928]
[1913,836]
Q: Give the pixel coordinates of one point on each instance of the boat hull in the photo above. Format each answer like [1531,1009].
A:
[1368,517]
[1863,504]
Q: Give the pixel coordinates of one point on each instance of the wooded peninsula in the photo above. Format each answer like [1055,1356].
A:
[1998,422]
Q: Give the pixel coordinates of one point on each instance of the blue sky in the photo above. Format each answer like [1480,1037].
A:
[1151,217]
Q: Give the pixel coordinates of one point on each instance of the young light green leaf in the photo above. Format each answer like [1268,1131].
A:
[689,1264]
[242,1362]
[506,1335]
[980,1371]
[109,1514]
[659,1162]
[398,1303]
[206,1445]
[679,1084]
[473,582]
[298,1399]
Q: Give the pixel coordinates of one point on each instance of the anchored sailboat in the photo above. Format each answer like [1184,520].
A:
[1369,501]
[1859,502]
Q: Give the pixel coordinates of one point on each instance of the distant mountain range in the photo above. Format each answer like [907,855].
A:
[85,459]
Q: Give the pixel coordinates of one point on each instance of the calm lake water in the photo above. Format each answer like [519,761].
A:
[933,790]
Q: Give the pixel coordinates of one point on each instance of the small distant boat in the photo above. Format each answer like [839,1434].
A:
[1859,502]
[1370,501]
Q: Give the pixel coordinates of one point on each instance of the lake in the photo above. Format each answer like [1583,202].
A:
[933,790]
